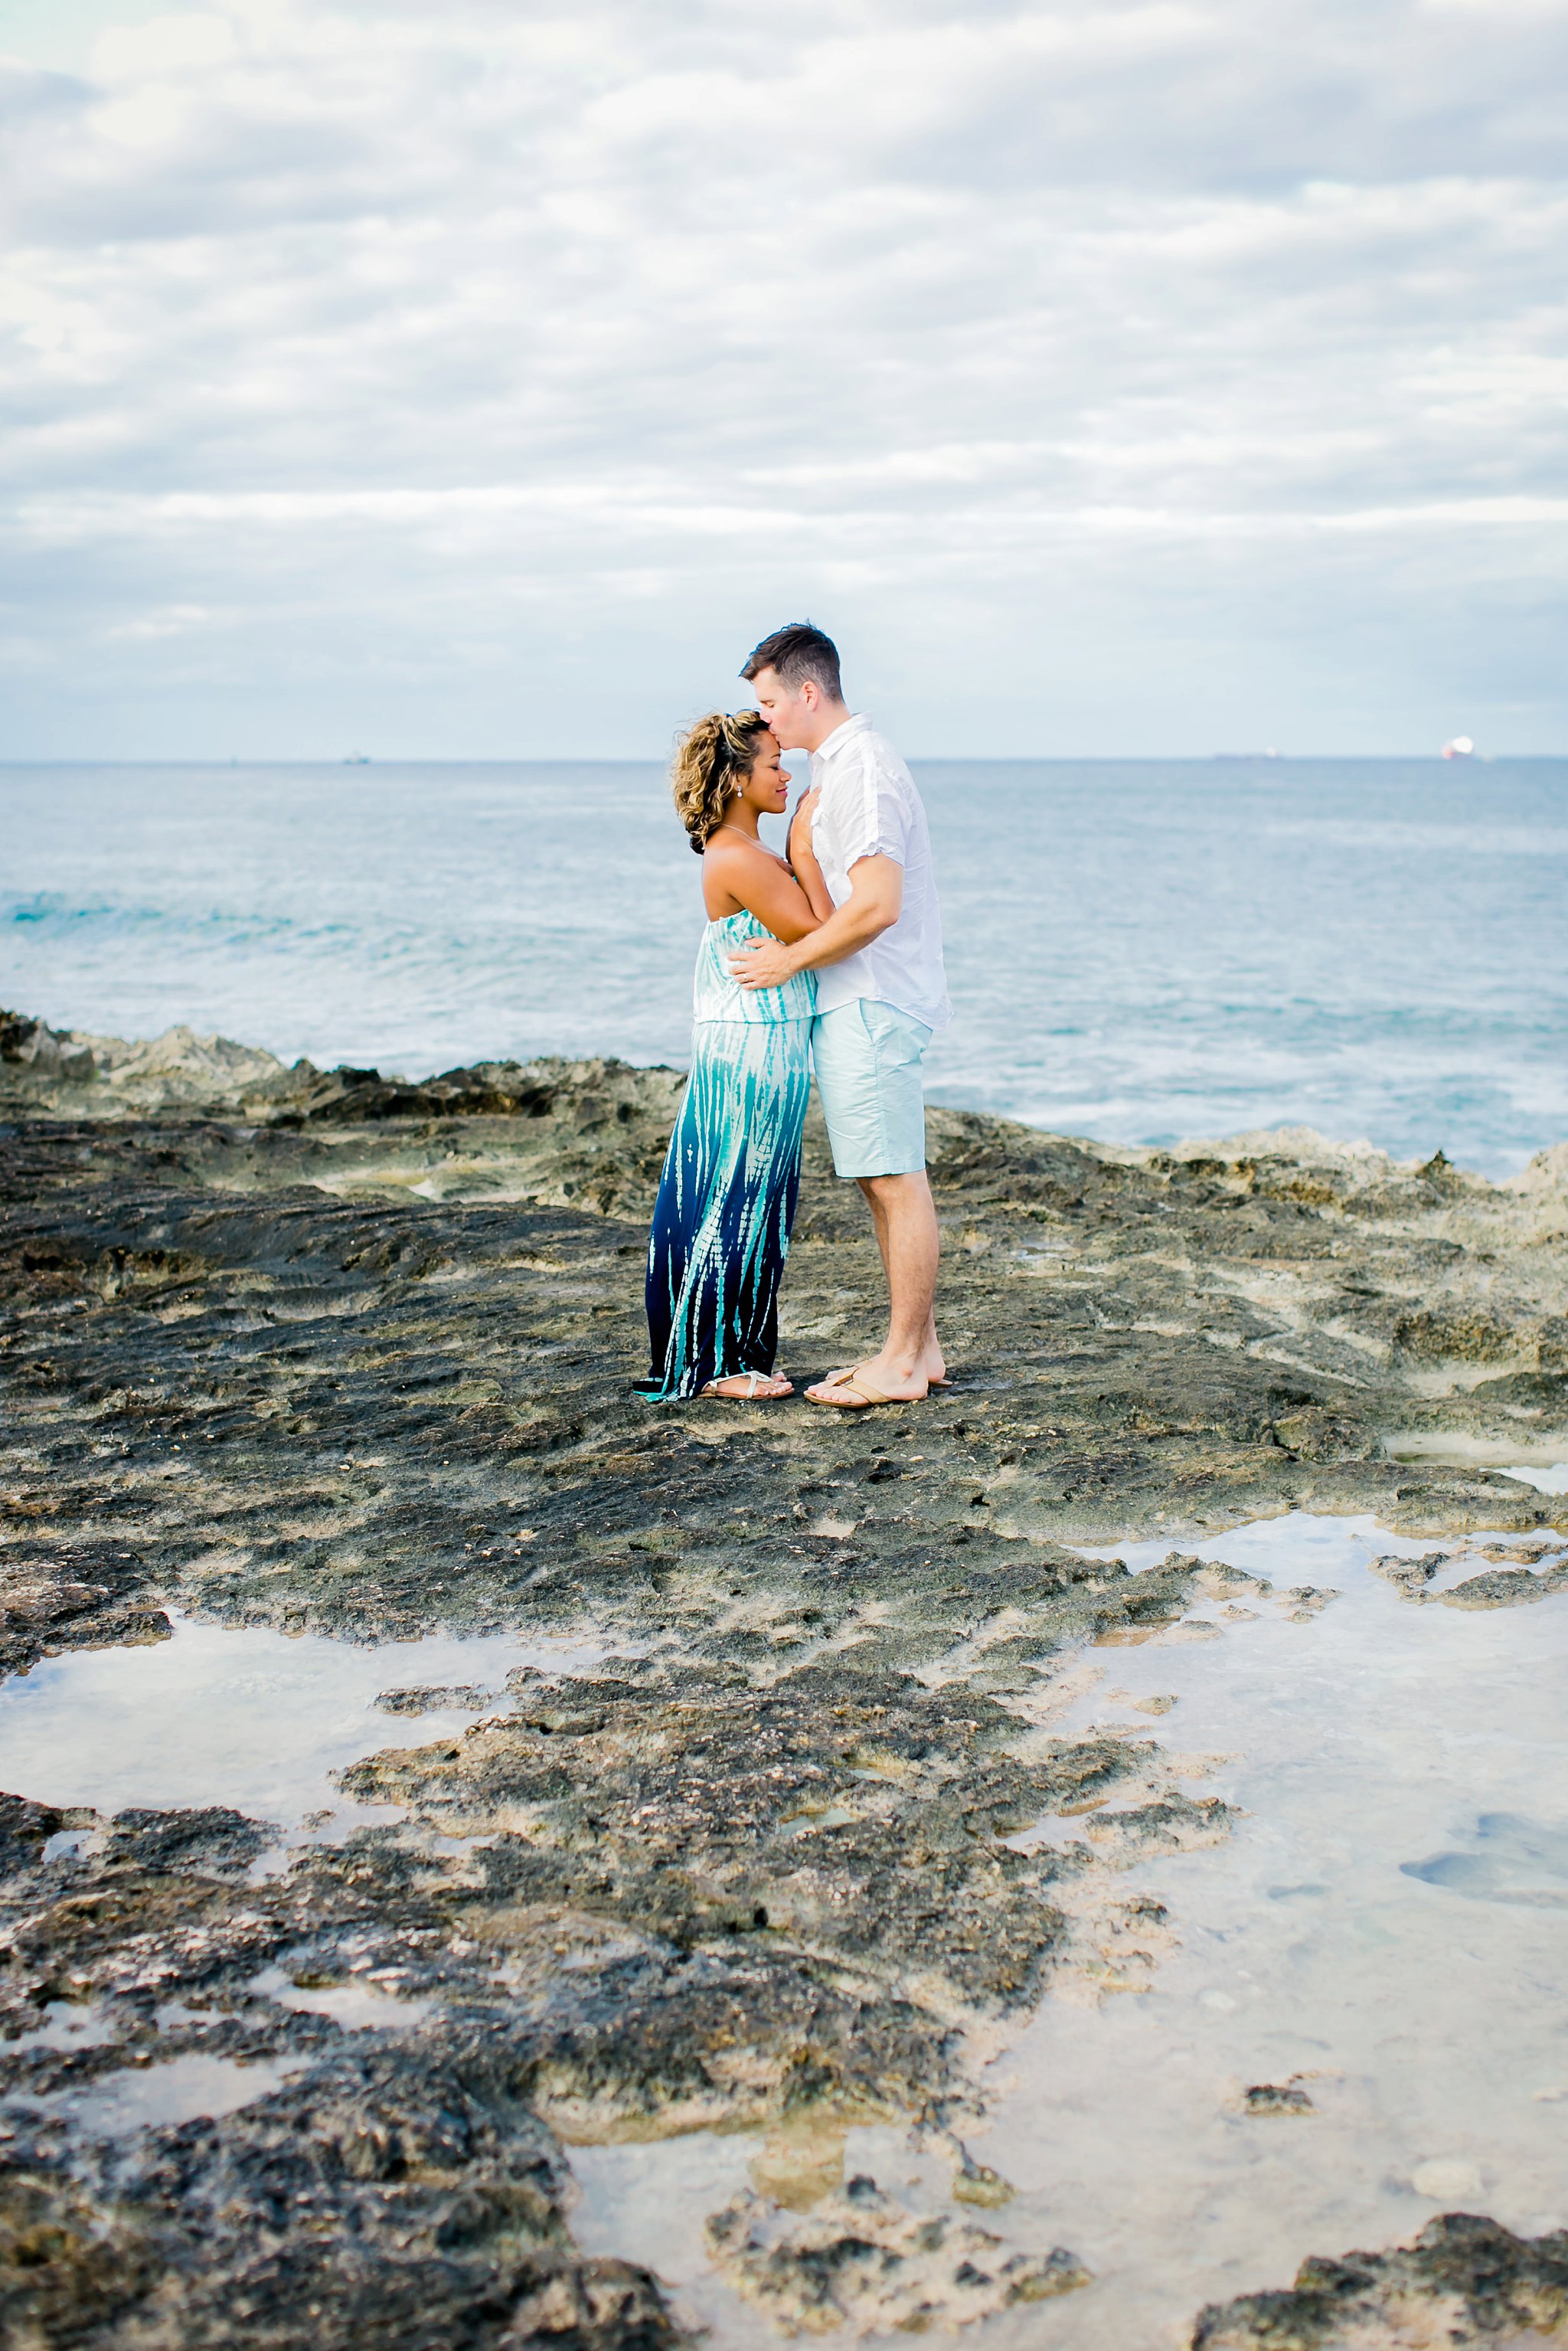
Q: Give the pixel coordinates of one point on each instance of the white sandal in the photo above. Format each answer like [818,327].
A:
[722,1395]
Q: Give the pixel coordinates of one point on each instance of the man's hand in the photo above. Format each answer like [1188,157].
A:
[764,963]
[876,893]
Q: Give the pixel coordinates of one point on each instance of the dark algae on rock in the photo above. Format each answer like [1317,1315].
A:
[1464,2281]
[330,1353]
[861,2259]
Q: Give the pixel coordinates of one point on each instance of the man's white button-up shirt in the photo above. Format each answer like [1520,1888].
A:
[870,808]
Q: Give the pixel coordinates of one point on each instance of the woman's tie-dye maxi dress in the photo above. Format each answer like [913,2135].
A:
[727,1197]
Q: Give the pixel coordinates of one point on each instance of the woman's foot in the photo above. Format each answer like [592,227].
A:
[748,1387]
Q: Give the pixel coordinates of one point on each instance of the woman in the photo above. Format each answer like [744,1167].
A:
[727,1198]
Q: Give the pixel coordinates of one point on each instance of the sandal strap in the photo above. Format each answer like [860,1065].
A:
[846,1384]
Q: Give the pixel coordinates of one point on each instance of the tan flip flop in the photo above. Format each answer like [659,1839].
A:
[846,1383]
[830,1379]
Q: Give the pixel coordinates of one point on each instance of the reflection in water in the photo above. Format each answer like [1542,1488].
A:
[176,2091]
[1428,2033]
[1551,1478]
[1338,2049]
[356,2003]
[65,2024]
[242,1716]
[1510,1858]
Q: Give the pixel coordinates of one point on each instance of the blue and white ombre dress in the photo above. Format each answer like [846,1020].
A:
[727,1197]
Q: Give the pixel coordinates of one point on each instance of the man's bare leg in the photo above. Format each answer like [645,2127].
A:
[932,1360]
[905,1216]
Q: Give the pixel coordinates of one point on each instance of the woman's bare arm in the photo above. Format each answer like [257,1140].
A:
[739,879]
[877,896]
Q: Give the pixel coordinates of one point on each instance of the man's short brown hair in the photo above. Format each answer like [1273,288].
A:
[794,654]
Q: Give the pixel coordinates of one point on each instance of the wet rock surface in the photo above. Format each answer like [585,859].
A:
[399,2188]
[860,2259]
[368,1371]
[331,1353]
[389,2196]
[1464,2281]
[1514,1585]
[1505,1587]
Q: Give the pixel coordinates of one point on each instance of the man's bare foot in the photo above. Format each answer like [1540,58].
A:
[875,1381]
[749,1388]
[932,1366]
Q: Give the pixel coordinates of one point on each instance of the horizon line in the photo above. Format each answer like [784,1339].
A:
[1270,759]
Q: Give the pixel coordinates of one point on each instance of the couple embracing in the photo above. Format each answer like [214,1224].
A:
[831,955]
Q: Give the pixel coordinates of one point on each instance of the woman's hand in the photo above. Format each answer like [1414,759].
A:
[803,862]
[799,839]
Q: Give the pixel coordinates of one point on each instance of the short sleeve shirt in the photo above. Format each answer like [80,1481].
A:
[870,808]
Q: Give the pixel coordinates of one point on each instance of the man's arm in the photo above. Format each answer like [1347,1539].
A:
[872,907]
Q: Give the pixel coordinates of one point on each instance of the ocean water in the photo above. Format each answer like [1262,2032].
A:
[1139,950]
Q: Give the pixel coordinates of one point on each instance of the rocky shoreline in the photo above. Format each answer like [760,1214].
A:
[341,1355]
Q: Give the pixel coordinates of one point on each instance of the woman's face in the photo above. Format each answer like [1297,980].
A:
[768,786]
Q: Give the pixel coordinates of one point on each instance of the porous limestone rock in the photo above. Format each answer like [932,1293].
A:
[863,2260]
[1463,2281]
[334,1352]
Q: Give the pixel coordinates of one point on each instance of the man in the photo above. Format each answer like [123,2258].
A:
[881,991]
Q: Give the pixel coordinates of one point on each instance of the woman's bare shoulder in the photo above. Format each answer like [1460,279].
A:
[738,853]
[726,864]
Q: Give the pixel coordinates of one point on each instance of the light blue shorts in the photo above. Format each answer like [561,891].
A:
[867,1059]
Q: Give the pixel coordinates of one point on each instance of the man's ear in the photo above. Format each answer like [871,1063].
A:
[810,693]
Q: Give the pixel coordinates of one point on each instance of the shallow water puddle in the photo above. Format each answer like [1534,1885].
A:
[1365,2023]
[245,1716]
[176,2090]
[358,2004]
[1547,1477]
[151,2091]
[1443,1447]
[64,2024]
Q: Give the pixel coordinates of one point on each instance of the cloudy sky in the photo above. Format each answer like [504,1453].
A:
[483,378]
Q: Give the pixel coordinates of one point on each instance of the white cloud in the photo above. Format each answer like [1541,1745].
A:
[173,621]
[566,353]
[162,44]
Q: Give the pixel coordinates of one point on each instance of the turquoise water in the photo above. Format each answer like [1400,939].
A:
[1140,950]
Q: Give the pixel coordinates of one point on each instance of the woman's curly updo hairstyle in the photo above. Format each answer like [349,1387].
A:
[713,760]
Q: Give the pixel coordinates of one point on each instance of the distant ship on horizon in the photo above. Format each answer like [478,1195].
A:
[1461,747]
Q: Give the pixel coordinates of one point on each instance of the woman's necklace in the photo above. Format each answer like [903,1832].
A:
[757,842]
